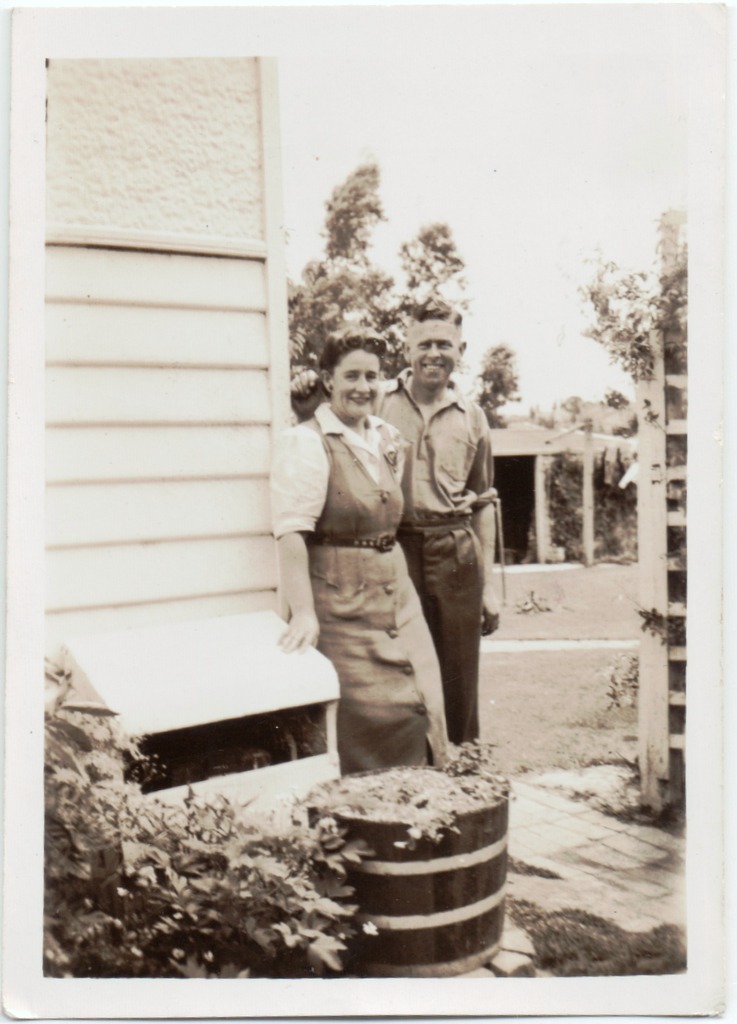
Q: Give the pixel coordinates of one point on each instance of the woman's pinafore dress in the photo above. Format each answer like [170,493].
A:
[371,624]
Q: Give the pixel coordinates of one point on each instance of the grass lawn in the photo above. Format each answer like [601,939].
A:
[548,709]
[598,603]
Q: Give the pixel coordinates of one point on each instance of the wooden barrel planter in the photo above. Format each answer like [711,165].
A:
[429,908]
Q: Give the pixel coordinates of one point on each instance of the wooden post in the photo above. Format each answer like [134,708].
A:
[542,526]
[588,495]
[652,548]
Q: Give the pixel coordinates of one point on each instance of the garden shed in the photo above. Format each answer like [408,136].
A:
[522,457]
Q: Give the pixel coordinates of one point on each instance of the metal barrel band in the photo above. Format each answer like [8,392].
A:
[434,866]
[410,922]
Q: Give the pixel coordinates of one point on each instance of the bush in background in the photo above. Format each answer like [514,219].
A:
[615,512]
[623,681]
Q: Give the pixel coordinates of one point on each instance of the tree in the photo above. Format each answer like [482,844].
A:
[433,266]
[633,310]
[353,210]
[346,285]
[573,406]
[615,399]
[497,383]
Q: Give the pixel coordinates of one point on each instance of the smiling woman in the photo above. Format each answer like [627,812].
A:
[337,502]
[350,376]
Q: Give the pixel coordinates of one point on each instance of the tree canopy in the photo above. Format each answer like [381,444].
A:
[344,283]
[635,311]
[353,210]
[497,383]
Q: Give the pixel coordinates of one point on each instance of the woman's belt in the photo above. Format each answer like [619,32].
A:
[383,543]
[435,523]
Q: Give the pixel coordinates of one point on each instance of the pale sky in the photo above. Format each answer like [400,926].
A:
[540,135]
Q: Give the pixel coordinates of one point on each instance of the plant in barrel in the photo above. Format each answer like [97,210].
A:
[431,899]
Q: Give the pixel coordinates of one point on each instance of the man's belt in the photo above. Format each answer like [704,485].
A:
[435,523]
[383,543]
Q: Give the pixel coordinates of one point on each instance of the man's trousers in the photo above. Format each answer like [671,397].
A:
[446,567]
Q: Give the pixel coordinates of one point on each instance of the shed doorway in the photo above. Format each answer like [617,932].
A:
[514,479]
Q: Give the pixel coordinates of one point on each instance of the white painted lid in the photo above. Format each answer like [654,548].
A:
[189,673]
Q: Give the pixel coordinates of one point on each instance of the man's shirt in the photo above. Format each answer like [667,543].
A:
[449,466]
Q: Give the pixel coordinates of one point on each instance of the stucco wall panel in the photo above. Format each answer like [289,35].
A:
[160,146]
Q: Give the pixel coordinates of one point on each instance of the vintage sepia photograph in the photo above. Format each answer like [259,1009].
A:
[360,363]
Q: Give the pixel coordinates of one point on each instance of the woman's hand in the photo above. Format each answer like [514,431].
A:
[301,633]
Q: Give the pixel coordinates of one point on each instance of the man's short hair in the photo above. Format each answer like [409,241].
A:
[435,308]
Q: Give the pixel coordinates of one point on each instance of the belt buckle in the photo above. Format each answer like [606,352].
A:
[385,543]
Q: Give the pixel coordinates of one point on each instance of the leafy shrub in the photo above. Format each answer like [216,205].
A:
[615,511]
[137,888]
[565,496]
[637,313]
[623,681]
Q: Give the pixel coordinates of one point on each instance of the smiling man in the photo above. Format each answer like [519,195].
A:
[447,530]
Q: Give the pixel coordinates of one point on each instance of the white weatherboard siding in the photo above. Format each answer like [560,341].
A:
[107,619]
[93,577]
[163,394]
[165,342]
[171,280]
[131,453]
[147,336]
[151,511]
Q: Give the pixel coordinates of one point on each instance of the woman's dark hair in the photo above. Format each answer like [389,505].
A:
[348,340]
[436,308]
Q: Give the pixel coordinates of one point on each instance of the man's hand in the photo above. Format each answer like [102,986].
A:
[301,633]
[490,612]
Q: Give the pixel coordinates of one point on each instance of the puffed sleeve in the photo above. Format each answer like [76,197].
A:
[299,481]
[481,477]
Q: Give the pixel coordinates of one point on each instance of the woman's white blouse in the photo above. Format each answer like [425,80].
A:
[300,470]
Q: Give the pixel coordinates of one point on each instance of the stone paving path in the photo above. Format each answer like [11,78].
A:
[628,873]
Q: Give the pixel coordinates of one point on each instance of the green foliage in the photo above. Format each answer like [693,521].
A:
[497,383]
[623,681]
[345,285]
[329,292]
[353,210]
[573,405]
[138,888]
[615,399]
[576,943]
[635,312]
[427,800]
[432,266]
[565,487]
[654,623]
[615,514]
[615,511]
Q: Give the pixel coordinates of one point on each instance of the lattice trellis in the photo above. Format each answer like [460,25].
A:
[663,455]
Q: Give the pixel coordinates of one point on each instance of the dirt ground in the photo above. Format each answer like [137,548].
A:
[599,603]
[549,709]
